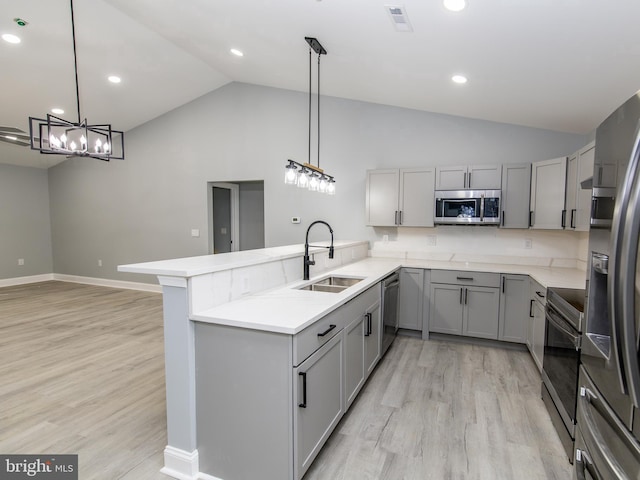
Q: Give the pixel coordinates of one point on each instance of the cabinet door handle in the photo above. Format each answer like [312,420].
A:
[469,279]
[367,330]
[531,218]
[400,217]
[465,179]
[573,215]
[304,390]
[503,279]
[540,294]
[461,296]
[466,292]
[531,307]
[322,334]
[564,218]
[395,218]
[502,220]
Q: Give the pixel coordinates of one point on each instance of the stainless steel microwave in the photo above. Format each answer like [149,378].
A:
[467,207]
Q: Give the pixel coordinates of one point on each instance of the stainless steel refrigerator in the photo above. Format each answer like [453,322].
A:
[608,416]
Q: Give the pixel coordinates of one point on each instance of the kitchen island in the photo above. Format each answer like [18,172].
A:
[231,320]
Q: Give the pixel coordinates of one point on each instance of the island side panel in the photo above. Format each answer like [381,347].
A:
[244,402]
[179,369]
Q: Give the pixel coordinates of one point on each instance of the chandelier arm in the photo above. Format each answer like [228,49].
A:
[75,61]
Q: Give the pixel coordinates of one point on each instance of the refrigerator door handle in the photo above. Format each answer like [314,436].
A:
[622,283]
[590,401]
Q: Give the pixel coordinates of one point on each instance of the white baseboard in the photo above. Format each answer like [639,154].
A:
[106,282]
[103,282]
[180,464]
[10,282]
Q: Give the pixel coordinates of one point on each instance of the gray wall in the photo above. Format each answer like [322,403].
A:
[251,215]
[25,226]
[144,208]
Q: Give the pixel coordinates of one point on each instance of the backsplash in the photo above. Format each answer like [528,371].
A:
[543,248]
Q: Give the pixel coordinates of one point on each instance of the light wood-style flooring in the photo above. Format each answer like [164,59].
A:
[82,371]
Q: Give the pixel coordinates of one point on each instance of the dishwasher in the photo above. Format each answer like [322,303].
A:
[390,295]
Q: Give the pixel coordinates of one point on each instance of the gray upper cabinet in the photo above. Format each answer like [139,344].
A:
[416,197]
[548,180]
[411,294]
[400,197]
[516,189]
[468,177]
[382,192]
[578,199]
[514,308]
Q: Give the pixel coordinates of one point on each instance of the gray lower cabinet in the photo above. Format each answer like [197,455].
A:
[372,337]
[537,325]
[464,303]
[514,308]
[354,357]
[319,399]
[266,402]
[411,293]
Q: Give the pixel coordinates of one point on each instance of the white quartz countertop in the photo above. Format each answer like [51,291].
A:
[289,310]
[200,265]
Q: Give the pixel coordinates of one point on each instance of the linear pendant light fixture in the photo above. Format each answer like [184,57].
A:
[58,136]
[307,175]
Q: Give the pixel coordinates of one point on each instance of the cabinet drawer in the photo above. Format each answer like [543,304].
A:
[314,336]
[455,277]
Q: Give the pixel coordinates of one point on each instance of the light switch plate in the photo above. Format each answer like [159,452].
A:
[195,232]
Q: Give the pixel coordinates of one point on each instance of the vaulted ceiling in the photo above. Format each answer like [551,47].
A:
[555,64]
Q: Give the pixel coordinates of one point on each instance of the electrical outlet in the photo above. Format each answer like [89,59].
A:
[528,243]
[195,232]
[385,238]
[431,240]
[21,261]
[99,263]
[295,219]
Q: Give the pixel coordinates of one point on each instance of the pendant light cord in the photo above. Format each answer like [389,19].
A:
[309,155]
[75,61]
[319,110]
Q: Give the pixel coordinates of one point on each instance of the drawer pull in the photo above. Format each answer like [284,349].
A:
[322,334]
[540,295]
[469,279]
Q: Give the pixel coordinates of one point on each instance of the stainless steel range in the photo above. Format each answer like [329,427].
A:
[561,360]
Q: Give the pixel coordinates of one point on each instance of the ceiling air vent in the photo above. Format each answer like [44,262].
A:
[399,18]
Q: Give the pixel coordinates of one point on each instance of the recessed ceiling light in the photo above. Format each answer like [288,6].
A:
[455,5]
[57,111]
[114,79]
[237,52]
[8,37]
[459,79]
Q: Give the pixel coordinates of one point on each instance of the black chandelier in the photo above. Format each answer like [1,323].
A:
[307,175]
[58,136]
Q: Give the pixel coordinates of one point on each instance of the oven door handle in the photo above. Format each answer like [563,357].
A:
[560,325]
[590,401]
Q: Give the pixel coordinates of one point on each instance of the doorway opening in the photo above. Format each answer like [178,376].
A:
[236,216]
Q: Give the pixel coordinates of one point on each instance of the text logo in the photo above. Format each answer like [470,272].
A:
[39,467]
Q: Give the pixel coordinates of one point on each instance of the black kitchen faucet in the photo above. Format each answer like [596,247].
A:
[307,260]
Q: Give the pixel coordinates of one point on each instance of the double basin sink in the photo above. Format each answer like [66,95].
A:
[331,284]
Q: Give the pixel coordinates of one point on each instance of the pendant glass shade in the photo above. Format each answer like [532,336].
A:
[303,179]
[290,174]
[331,187]
[314,183]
